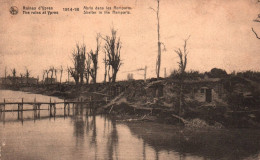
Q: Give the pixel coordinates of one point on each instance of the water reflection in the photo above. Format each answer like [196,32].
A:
[88,125]
[112,142]
[78,133]
[99,137]
[209,144]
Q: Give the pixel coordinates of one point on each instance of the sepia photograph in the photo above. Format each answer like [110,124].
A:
[130,80]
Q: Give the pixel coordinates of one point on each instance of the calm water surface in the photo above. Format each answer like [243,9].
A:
[79,134]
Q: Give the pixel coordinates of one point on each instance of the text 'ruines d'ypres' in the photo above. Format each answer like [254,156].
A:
[39,10]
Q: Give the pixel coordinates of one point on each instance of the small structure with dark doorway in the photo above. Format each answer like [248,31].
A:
[207,93]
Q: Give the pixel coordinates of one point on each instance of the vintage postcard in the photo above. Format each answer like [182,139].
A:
[129,79]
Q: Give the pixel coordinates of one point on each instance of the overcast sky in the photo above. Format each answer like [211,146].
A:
[220,33]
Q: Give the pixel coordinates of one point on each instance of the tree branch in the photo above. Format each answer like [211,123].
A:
[152,9]
[255,34]
[256,20]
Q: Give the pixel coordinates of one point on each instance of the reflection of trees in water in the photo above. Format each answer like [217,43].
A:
[110,131]
[214,144]
[92,128]
[79,125]
[106,125]
[112,141]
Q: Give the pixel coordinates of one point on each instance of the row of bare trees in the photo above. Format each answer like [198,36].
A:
[22,75]
[52,72]
[85,64]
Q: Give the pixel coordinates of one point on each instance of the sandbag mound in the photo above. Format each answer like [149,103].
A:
[198,123]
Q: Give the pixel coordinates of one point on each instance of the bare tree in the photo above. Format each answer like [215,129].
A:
[55,73]
[43,76]
[5,74]
[113,47]
[68,70]
[105,62]
[27,74]
[158,61]
[61,71]
[47,71]
[94,58]
[183,56]
[21,80]
[74,74]
[79,57]
[182,66]
[14,74]
[51,70]
[87,69]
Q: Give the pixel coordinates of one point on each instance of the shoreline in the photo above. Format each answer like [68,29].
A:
[121,109]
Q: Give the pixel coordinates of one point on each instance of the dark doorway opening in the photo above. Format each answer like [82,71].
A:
[208,95]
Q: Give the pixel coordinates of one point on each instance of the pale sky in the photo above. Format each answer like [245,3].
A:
[220,32]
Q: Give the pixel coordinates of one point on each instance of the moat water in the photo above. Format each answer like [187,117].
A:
[79,134]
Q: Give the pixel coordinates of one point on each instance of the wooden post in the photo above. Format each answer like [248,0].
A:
[64,105]
[4,104]
[22,104]
[50,105]
[34,105]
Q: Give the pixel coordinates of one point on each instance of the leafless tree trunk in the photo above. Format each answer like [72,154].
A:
[14,72]
[82,63]
[47,73]
[183,57]
[94,59]
[105,62]
[14,75]
[43,76]
[74,74]
[87,69]
[55,73]
[27,75]
[159,43]
[61,71]
[113,48]
[51,70]
[5,74]
[182,66]
[79,57]
[158,61]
